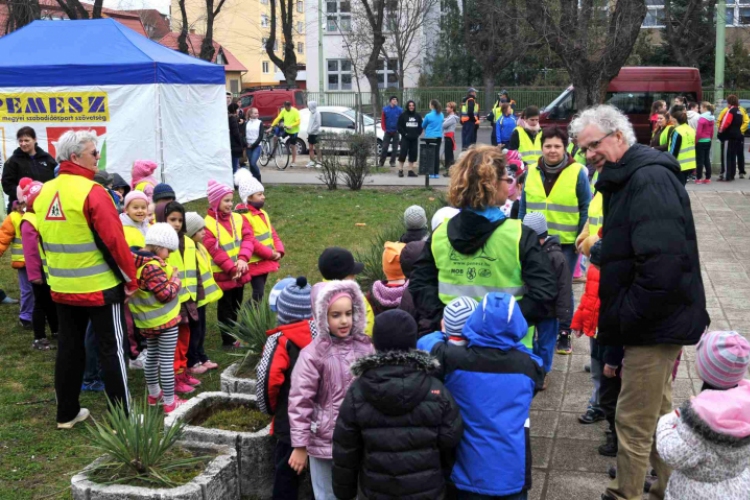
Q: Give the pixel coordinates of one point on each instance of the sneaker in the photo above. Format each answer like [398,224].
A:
[609,449]
[8,300]
[400,173]
[587,368]
[83,414]
[155,400]
[41,345]
[96,386]
[26,325]
[190,380]
[434,176]
[412,174]
[135,364]
[175,404]
[707,181]
[447,173]
[182,387]
[563,343]
[210,365]
[591,416]
[393,165]
[311,164]
[606,496]
[198,369]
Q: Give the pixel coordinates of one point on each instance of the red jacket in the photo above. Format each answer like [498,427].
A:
[266,265]
[225,278]
[104,222]
[586,317]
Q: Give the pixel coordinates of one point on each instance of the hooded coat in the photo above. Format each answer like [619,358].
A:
[118,182]
[40,167]
[313,126]
[321,376]
[494,457]
[410,123]
[396,431]
[651,288]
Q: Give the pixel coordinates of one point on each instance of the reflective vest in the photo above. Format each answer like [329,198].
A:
[530,151]
[75,263]
[147,311]
[561,206]
[212,292]
[134,237]
[188,268]
[16,246]
[465,110]
[578,156]
[141,186]
[262,232]
[596,213]
[594,178]
[30,217]
[686,155]
[496,267]
[227,242]
[497,112]
[665,135]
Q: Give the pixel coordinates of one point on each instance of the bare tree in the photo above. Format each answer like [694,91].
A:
[20,14]
[74,9]
[288,64]
[690,30]
[207,47]
[182,45]
[374,14]
[593,39]
[406,22]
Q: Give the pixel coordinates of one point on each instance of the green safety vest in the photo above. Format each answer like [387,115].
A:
[495,267]
[594,178]
[16,246]
[147,311]
[188,268]
[686,156]
[30,217]
[465,110]
[664,138]
[596,213]
[578,156]
[530,151]
[261,231]
[497,112]
[561,206]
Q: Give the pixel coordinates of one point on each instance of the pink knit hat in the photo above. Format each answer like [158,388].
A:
[30,194]
[722,358]
[22,184]
[135,195]
[142,169]
[725,412]
[217,191]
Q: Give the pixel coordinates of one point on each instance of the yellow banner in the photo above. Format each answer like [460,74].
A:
[54,107]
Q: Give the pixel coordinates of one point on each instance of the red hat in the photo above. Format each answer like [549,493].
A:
[30,194]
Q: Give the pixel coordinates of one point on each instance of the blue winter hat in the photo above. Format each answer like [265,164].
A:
[273,296]
[162,192]
[456,314]
[294,302]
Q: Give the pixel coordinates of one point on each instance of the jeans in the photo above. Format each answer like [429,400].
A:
[597,367]
[388,139]
[569,251]
[27,296]
[93,371]
[321,472]
[253,155]
[235,163]
[544,344]
[467,134]
[703,160]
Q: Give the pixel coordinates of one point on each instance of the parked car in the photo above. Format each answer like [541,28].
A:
[269,102]
[633,91]
[744,103]
[335,120]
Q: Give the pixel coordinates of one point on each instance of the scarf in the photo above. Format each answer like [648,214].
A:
[556,168]
[388,296]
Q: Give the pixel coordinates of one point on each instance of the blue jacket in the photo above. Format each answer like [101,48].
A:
[432,124]
[504,129]
[493,379]
[390,118]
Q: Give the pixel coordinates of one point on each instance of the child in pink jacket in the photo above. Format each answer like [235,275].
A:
[322,376]
[143,177]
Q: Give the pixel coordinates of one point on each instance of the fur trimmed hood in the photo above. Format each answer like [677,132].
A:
[324,292]
[421,360]
[700,427]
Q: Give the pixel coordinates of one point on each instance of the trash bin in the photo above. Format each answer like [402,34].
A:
[427,152]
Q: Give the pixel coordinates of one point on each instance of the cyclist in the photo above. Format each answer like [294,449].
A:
[290,116]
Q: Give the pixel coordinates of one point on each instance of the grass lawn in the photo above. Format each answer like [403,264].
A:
[36,460]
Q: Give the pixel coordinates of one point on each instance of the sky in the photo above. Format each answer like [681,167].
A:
[161,5]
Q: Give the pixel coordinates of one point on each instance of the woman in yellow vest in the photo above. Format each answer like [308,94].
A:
[682,143]
[526,138]
[480,250]
[208,293]
[558,186]
[10,238]
[156,311]
[267,247]
[143,177]
[664,127]
[135,218]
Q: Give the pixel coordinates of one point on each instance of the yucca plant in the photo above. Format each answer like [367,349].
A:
[137,447]
[254,319]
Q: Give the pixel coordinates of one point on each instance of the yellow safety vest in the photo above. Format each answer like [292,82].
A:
[686,155]
[16,246]
[596,213]
[134,237]
[578,157]
[188,268]
[262,232]
[227,242]
[561,206]
[497,112]
[76,265]
[496,267]
[594,178]
[212,292]
[465,110]
[147,311]
[664,138]
[30,217]
[141,186]
[530,151]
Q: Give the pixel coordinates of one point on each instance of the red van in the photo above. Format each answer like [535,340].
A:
[269,102]
[633,91]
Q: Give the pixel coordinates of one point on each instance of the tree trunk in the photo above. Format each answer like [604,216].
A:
[182,45]
[489,91]
[591,89]
[96,13]
[21,14]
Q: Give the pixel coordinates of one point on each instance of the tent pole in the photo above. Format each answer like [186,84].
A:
[159,132]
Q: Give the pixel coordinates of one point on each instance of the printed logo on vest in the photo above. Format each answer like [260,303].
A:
[55,211]
[471,274]
[485,273]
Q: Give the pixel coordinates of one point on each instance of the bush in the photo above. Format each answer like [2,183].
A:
[361,147]
[254,319]
[330,147]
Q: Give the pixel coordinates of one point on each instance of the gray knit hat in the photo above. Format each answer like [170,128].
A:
[415,217]
[294,302]
[193,223]
[537,223]
[457,313]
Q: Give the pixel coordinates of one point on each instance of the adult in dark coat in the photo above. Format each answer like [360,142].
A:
[651,290]
[28,160]
[236,138]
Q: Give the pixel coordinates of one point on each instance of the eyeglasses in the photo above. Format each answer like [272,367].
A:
[594,145]
[509,180]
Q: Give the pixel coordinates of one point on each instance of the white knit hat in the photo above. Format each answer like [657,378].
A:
[242,174]
[536,222]
[249,187]
[162,235]
[442,215]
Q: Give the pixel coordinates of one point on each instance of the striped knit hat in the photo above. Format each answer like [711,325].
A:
[456,314]
[722,359]
[537,223]
[216,191]
[294,302]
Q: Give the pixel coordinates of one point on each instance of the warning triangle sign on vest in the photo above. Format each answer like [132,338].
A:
[55,211]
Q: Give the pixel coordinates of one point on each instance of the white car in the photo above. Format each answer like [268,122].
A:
[336,120]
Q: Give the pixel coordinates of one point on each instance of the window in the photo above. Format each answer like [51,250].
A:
[265,67]
[335,120]
[300,48]
[300,27]
[264,2]
[654,14]
[338,15]
[388,73]
[563,107]
[630,103]
[263,42]
[300,6]
[339,74]
[743,17]
[234,86]
[264,20]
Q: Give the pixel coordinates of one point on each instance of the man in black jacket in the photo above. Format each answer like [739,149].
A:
[398,426]
[29,160]
[651,290]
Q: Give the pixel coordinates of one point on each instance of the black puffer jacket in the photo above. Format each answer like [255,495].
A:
[396,431]
[651,288]
[561,307]
[40,167]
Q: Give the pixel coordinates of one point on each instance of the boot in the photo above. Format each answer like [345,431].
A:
[609,449]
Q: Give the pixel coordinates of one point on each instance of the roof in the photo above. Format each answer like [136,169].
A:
[155,23]
[53,53]
[194,42]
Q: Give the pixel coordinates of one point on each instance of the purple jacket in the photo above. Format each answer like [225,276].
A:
[321,376]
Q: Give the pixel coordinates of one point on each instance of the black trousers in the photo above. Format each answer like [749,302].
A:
[703,160]
[285,480]
[259,286]
[449,158]
[109,327]
[609,391]
[735,157]
[388,139]
[436,163]
[44,311]
[226,311]
[196,353]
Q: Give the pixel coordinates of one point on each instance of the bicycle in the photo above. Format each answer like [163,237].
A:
[279,151]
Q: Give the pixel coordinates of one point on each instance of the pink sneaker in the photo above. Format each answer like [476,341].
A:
[707,181]
[190,380]
[210,365]
[155,400]
[176,404]
[182,387]
[198,369]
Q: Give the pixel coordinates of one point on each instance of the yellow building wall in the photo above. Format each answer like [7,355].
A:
[238,28]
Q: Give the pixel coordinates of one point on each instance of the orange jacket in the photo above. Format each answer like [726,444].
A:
[586,317]
[7,233]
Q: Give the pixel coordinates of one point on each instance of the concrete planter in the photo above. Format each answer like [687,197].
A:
[254,449]
[236,385]
[218,481]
